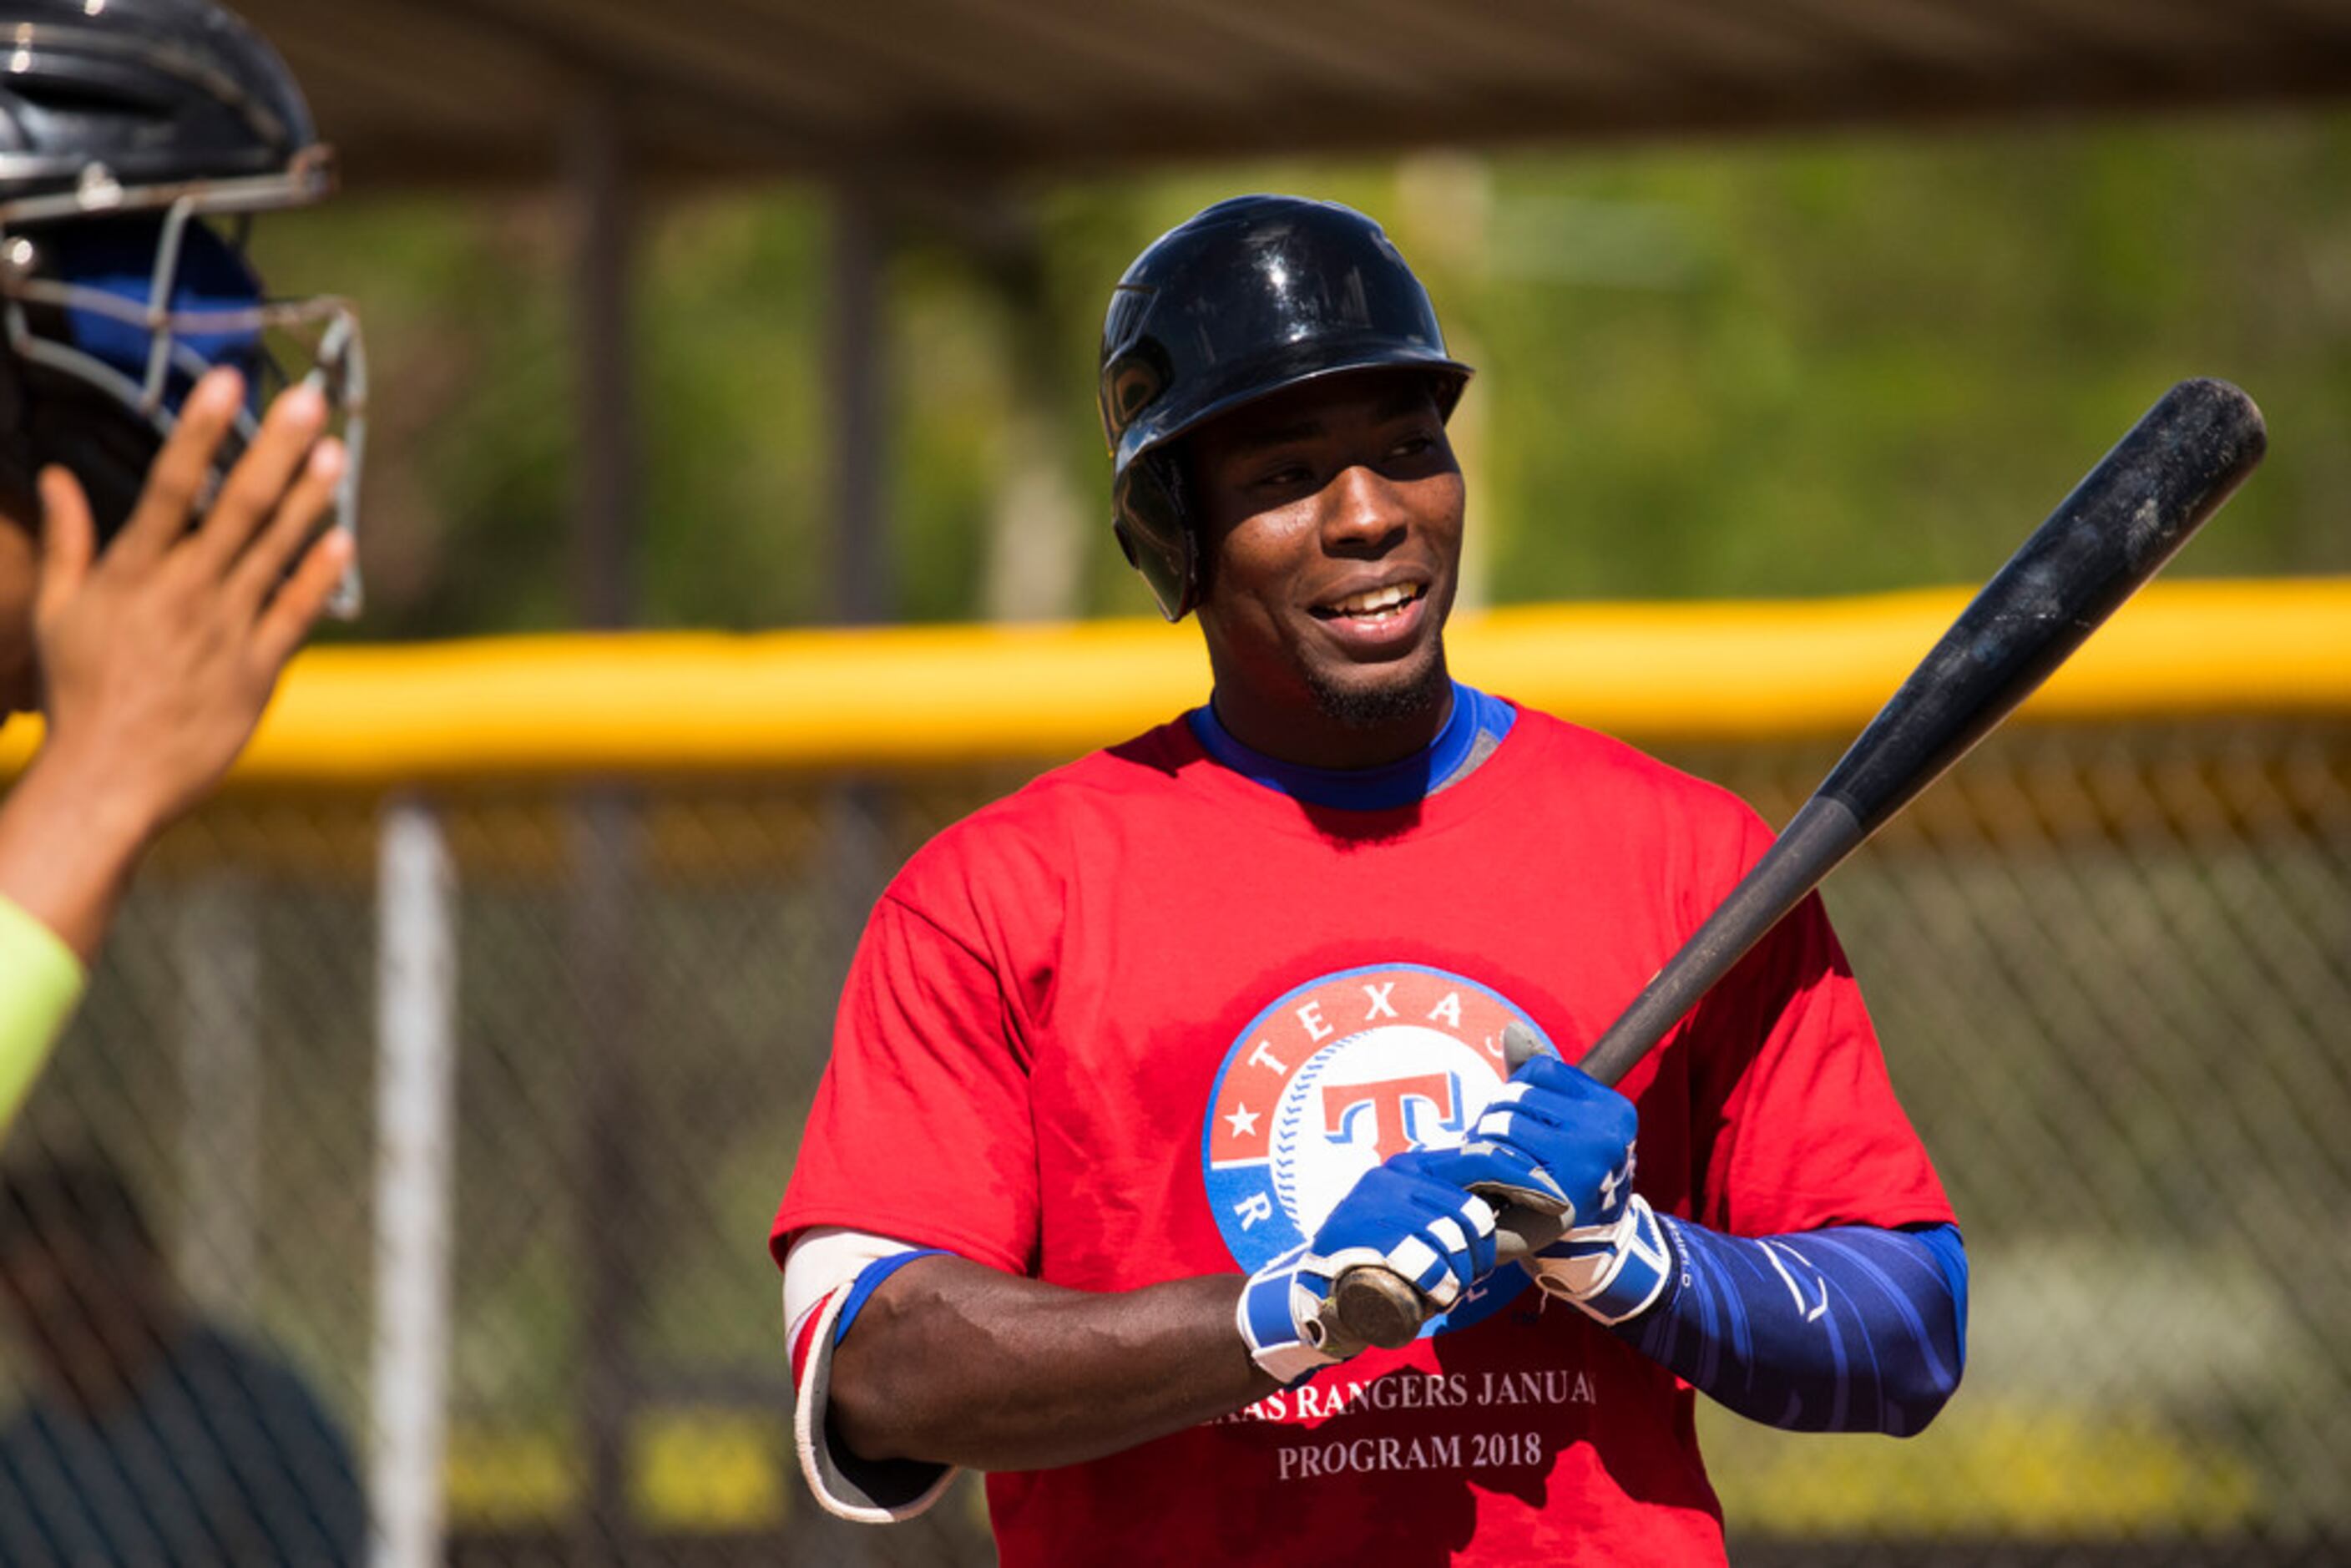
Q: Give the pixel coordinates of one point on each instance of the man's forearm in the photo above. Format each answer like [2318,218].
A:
[69,839]
[954,1362]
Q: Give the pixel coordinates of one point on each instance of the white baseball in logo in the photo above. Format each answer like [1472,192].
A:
[1364,1097]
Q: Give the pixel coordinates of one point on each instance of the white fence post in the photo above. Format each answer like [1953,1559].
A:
[416,1152]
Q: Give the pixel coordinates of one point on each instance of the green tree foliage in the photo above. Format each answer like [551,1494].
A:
[1789,366]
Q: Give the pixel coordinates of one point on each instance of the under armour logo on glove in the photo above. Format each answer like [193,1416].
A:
[1616,1182]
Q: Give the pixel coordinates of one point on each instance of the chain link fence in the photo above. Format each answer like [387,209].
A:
[2111,965]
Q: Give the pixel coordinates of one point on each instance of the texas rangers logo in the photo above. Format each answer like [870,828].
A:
[1335,1077]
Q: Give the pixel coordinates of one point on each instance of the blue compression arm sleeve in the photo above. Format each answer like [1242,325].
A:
[1847,1329]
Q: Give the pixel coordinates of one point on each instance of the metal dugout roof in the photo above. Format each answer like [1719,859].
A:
[451,92]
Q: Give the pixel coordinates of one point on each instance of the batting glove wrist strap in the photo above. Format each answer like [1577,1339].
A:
[1612,1272]
[1288,1347]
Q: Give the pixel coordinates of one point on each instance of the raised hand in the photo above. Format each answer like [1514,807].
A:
[159,655]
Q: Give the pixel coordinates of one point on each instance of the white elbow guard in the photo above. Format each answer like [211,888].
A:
[828,1275]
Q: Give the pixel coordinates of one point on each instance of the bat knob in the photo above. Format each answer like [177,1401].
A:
[1369,1305]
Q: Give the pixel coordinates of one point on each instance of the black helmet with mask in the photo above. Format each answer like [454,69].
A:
[138,141]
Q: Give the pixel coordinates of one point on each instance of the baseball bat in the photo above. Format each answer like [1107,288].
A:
[2129,514]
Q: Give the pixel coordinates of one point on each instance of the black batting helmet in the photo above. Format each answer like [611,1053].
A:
[137,140]
[1243,299]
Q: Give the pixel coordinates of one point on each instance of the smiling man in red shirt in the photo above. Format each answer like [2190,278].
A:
[1132,1064]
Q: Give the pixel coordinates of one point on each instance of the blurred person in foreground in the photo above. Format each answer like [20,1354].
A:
[150,1437]
[1184,1030]
[161,551]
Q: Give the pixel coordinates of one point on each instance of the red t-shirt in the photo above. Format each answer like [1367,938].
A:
[1147,1020]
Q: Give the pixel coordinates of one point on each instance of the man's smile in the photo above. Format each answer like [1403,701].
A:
[1378,621]
[1372,603]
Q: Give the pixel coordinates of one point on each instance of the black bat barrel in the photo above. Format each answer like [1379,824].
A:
[2129,516]
[2144,500]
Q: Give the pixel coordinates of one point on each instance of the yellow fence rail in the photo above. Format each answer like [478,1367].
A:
[663,703]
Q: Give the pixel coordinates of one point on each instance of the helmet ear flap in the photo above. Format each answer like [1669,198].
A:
[1156,534]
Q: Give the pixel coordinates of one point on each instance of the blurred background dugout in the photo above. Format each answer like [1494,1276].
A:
[459,1052]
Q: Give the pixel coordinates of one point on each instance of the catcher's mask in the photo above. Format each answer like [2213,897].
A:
[137,144]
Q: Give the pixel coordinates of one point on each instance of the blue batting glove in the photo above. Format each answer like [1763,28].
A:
[1560,1141]
[1556,1140]
[1402,1216]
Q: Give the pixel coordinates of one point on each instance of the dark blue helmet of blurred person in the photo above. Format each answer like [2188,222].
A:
[139,139]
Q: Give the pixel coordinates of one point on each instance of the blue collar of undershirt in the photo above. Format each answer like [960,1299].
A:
[1455,750]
